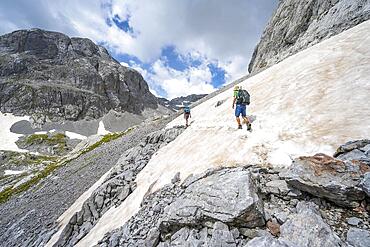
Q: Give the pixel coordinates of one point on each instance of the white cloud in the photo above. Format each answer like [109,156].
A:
[193,80]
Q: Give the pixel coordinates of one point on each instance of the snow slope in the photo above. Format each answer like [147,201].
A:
[311,102]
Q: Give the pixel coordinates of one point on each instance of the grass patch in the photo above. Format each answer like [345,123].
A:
[107,138]
[9,192]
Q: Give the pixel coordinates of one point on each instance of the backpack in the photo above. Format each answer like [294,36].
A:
[186,109]
[243,97]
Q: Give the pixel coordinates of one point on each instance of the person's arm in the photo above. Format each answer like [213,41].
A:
[234,100]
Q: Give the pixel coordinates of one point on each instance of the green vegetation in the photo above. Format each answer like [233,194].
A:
[58,140]
[105,139]
[8,192]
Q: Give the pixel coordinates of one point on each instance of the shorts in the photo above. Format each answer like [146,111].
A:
[240,110]
[186,115]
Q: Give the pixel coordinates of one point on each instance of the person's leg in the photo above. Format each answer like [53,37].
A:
[245,118]
[237,114]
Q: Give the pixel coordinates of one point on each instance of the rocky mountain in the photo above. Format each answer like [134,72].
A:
[52,77]
[297,25]
[176,103]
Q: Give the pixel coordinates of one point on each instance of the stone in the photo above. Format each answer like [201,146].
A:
[358,238]
[350,146]
[365,184]
[306,228]
[273,227]
[326,177]
[229,196]
[268,241]
[297,25]
[281,217]
[221,236]
[354,221]
[277,187]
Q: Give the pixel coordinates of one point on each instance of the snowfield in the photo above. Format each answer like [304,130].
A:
[311,102]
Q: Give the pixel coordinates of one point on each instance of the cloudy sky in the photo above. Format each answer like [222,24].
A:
[179,46]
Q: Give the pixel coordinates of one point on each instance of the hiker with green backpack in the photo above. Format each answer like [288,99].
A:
[241,100]
[187,114]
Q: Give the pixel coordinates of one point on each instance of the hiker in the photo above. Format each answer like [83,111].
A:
[241,99]
[187,114]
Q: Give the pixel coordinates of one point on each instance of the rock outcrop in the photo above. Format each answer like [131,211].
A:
[297,25]
[176,103]
[53,78]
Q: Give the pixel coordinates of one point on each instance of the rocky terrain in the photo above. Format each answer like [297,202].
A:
[52,78]
[318,201]
[297,25]
[176,103]
[28,216]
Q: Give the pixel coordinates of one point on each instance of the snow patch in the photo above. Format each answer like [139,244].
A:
[8,138]
[73,135]
[12,172]
[101,129]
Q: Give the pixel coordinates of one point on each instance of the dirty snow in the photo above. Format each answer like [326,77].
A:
[8,138]
[311,102]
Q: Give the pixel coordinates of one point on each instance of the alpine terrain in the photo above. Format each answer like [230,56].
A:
[300,178]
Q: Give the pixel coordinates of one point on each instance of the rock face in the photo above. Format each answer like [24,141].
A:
[176,103]
[53,77]
[358,238]
[297,25]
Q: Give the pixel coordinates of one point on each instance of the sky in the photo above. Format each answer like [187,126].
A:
[179,46]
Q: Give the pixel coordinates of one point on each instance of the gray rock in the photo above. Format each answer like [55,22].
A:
[268,241]
[326,177]
[358,238]
[297,25]
[365,184]
[354,221]
[228,196]
[65,79]
[350,146]
[306,228]
[281,217]
[221,236]
[277,187]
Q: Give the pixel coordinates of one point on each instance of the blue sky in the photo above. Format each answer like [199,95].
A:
[180,47]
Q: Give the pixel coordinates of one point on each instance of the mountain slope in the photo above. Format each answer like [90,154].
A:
[311,102]
[297,25]
[55,78]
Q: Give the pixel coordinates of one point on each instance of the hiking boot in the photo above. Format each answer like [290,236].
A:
[249,127]
[240,127]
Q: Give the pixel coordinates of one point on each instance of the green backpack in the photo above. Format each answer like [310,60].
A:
[243,97]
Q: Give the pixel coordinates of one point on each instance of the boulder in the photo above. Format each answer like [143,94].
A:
[327,177]
[358,238]
[229,196]
[306,228]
